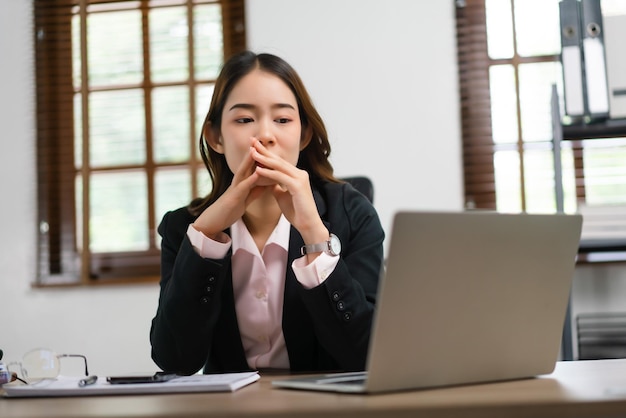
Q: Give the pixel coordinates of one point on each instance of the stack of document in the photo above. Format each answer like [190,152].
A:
[606,222]
[69,386]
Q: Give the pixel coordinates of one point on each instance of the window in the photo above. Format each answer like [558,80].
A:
[508,54]
[122,90]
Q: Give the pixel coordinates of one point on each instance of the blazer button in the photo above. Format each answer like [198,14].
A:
[204,300]
[209,289]
[341,306]
[335,296]
[211,279]
[347,316]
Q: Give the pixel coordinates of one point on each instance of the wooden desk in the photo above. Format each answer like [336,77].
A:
[594,388]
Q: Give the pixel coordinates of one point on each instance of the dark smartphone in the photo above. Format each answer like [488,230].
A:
[155,378]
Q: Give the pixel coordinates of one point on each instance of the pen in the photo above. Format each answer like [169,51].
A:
[88,381]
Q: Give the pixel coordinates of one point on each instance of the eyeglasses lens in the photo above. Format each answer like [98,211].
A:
[40,364]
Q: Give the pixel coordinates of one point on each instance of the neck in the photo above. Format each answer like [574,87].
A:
[261,217]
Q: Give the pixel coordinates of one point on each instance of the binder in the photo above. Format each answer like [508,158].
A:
[572,58]
[596,84]
[614,35]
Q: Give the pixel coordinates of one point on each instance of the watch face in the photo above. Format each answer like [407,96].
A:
[335,245]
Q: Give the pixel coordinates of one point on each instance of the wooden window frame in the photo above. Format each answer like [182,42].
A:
[478,145]
[60,261]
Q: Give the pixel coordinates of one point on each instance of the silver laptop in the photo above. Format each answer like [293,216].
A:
[467,297]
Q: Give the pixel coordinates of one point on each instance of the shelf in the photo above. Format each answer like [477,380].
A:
[609,128]
[602,245]
[592,251]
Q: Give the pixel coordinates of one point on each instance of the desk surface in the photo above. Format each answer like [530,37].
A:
[576,389]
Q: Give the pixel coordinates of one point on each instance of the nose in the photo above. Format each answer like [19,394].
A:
[265,135]
[266,140]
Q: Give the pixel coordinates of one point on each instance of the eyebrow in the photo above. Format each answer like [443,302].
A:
[252,107]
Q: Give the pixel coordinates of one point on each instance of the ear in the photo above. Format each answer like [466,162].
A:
[307,135]
[213,138]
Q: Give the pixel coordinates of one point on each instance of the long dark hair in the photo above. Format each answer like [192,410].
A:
[313,158]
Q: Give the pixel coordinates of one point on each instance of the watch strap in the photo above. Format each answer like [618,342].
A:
[332,246]
[315,248]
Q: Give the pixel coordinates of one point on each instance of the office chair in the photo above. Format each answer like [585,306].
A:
[362,184]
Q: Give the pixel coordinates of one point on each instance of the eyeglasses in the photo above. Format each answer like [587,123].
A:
[41,364]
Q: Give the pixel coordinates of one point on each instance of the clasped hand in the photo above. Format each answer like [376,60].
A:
[262,172]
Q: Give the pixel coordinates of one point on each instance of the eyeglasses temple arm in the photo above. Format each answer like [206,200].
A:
[77,355]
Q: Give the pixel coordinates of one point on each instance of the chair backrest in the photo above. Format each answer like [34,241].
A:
[362,184]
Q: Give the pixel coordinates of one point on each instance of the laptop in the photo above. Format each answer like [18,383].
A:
[466,297]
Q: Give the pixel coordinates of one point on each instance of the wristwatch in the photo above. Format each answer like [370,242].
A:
[330,247]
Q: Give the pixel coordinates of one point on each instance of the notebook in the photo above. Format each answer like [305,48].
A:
[466,297]
[69,386]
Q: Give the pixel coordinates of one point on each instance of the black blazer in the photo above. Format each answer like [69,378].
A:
[325,328]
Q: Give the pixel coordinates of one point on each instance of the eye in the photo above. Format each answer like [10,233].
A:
[244,120]
[283,120]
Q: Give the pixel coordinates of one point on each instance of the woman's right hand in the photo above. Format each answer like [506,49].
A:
[232,204]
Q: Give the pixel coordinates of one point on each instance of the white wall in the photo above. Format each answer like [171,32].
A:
[391,115]
[384,77]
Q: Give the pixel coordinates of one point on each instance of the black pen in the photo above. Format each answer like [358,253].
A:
[87,381]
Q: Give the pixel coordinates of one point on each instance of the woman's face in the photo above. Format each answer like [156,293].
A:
[260,106]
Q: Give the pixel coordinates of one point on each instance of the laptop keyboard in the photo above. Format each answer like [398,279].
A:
[356,381]
[347,379]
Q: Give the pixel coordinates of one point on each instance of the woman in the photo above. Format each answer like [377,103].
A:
[277,268]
